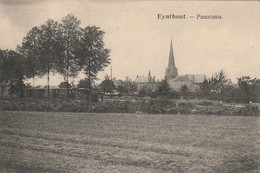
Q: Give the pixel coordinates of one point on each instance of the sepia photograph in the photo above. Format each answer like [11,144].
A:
[129,86]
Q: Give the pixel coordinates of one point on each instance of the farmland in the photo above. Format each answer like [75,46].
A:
[90,142]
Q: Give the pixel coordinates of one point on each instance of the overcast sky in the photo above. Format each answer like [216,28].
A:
[140,42]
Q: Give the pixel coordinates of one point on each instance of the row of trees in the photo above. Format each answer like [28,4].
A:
[218,87]
[55,47]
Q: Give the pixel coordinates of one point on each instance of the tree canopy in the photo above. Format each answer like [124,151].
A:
[60,47]
[12,69]
[68,37]
[250,88]
[164,87]
[93,56]
[217,83]
[127,86]
[107,85]
[83,83]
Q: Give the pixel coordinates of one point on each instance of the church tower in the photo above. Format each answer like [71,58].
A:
[171,71]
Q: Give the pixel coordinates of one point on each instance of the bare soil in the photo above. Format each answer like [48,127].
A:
[88,142]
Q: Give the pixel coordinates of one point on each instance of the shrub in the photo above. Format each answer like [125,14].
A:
[205,103]
[152,106]
[248,110]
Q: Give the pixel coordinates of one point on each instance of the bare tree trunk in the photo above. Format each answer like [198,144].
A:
[89,82]
[22,95]
[21,88]
[33,87]
[48,83]
[90,90]
[67,59]
[2,87]
[11,89]
[67,84]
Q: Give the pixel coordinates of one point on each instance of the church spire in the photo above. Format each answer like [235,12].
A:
[171,57]
[149,77]
[171,71]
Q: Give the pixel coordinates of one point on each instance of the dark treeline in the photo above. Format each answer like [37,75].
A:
[54,47]
[217,87]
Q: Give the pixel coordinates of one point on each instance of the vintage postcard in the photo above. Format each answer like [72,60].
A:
[129,86]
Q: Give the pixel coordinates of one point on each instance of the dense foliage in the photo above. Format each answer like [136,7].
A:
[12,70]
[127,86]
[152,106]
[218,87]
[107,85]
[54,47]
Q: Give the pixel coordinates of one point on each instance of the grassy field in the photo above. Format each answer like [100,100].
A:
[85,142]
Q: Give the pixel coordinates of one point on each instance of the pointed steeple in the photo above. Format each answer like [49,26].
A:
[149,77]
[171,71]
[171,57]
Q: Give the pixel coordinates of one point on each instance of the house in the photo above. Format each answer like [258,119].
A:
[146,83]
[192,81]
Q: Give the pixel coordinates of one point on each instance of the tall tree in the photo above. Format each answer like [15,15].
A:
[30,50]
[69,39]
[12,71]
[2,73]
[49,46]
[93,56]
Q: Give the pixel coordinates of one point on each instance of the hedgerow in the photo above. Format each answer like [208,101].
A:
[153,106]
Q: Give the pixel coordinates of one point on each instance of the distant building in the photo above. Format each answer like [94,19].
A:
[192,81]
[146,82]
